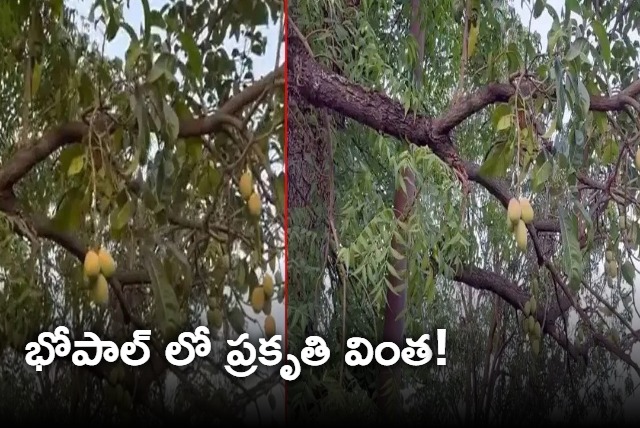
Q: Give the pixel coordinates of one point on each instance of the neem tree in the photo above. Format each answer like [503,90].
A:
[522,236]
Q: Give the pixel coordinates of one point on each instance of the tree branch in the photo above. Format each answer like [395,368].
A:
[325,89]
[481,279]
[44,229]
[28,157]
[502,92]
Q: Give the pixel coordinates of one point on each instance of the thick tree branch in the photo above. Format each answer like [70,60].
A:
[471,104]
[26,158]
[502,92]
[29,156]
[325,89]
[481,279]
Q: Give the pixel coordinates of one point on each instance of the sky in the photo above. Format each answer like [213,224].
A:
[262,66]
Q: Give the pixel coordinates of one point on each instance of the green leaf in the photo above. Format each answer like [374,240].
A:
[76,165]
[123,215]
[578,47]
[560,94]
[167,310]
[137,105]
[194,61]
[172,122]
[430,288]
[112,29]
[132,55]
[504,123]
[70,212]
[499,112]
[572,6]
[498,161]
[555,35]
[538,8]
[396,254]
[68,154]
[156,20]
[571,254]
[628,272]
[147,21]
[184,261]
[157,71]
[393,271]
[490,74]
[603,40]
[86,89]
[208,181]
[542,174]
[585,100]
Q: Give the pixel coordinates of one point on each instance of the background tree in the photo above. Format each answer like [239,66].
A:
[142,157]
[494,117]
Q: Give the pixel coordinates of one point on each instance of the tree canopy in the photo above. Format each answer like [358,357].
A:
[412,128]
[141,156]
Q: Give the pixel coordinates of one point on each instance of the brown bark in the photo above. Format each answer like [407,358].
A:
[310,184]
[311,196]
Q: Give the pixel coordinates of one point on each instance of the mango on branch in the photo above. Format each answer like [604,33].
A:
[91,264]
[246,185]
[267,286]
[107,265]
[269,326]
[100,291]
[514,210]
[257,299]
[255,205]
[526,210]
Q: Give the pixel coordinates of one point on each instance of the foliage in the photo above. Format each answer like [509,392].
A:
[571,152]
[142,156]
